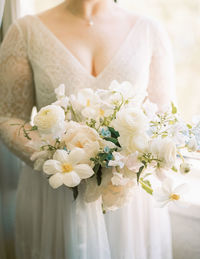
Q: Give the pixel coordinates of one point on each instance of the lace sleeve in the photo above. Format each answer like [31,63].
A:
[16,91]
[161,88]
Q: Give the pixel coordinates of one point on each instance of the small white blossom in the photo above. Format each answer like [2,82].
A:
[168,194]
[118,160]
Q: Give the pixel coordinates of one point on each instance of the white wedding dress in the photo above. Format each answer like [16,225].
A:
[49,223]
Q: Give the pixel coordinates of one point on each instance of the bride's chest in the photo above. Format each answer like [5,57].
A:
[53,64]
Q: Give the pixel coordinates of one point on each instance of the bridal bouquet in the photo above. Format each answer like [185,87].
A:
[111,142]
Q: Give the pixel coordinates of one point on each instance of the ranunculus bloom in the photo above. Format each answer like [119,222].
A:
[132,125]
[83,137]
[67,169]
[50,120]
[164,149]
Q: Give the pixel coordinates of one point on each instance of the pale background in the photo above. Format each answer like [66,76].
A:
[181,19]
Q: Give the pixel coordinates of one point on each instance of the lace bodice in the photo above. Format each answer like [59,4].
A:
[33,62]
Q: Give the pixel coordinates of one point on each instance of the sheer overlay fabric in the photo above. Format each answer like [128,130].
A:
[49,224]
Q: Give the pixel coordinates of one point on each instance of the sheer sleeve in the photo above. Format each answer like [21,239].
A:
[16,91]
[161,88]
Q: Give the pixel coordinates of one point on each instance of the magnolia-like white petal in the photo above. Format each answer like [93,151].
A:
[56,180]
[71,179]
[167,185]
[61,155]
[181,189]
[76,155]
[84,171]
[52,167]
[163,203]
[161,196]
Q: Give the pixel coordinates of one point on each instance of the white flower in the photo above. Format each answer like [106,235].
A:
[66,169]
[118,179]
[132,126]
[176,133]
[192,144]
[125,91]
[150,110]
[113,196]
[167,193]
[164,149]
[62,100]
[88,103]
[133,163]
[50,120]
[116,196]
[84,137]
[185,168]
[60,92]
[118,160]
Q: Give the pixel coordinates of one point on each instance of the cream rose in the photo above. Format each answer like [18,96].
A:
[116,196]
[165,150]
[83,137]
[132,126]
[50,120]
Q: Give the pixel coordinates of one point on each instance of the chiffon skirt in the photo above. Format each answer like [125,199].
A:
[51,225]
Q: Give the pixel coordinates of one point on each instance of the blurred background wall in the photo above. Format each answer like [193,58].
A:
[181,18]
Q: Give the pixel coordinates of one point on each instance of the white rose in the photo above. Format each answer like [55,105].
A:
[50,120]
[165,150]
[132,126]
[118,179]
[84,137]
[116,196]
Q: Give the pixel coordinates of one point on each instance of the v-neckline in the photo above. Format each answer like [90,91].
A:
[65,48]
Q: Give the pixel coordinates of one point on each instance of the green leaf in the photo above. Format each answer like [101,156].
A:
[139,173]
[113,140]
[75,192]
[34,128]
[98,171]
[189,126]
[174,169]
[146,186]
[174,109]
[114,133]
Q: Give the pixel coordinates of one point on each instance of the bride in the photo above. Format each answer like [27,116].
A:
[81,43]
